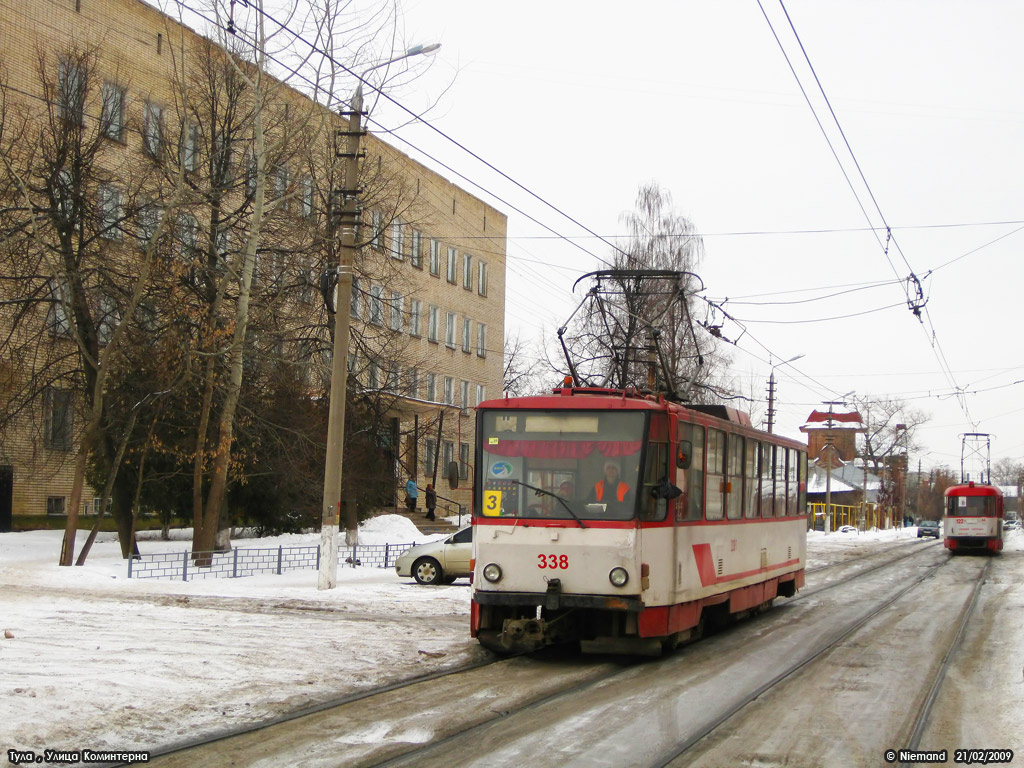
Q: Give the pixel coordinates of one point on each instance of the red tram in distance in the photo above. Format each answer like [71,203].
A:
[973,518]
[627,521]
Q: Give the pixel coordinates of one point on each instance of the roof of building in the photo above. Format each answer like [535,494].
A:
[834,421]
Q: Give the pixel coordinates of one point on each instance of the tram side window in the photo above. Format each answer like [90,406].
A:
[791,482]
[715,506]
[767,480]
[801,507]
[779,457]
[691,479]
[751,489]
[734,478]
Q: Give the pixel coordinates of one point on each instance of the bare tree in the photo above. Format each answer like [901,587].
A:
[522,368]
[615,341]
[73,256]
[1008,472]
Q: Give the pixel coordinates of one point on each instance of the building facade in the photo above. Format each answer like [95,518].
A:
[143,98]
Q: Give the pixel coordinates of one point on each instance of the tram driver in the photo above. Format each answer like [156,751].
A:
[610,490]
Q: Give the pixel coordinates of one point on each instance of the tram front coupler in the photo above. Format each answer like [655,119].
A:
[523,635]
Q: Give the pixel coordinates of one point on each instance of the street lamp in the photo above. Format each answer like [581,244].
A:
[336,413]
[771,391]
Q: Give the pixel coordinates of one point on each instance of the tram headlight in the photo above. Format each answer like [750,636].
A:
[618,577]
[492,572]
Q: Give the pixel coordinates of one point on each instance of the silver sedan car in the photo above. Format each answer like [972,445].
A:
[439,562]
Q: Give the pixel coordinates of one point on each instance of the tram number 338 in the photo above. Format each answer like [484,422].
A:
[553,561]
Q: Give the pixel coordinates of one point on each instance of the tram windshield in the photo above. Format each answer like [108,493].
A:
[971,506]
[560,465]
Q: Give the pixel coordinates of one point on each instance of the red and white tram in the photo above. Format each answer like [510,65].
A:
[626,521]
[973,518]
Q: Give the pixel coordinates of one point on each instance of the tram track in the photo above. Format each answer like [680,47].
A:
[850,669]
[924,712]
[557,685]
[850,560]
[678,755]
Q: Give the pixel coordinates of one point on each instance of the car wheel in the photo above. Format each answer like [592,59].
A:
[427,571]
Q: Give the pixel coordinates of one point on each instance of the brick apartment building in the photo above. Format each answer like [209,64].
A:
[429,285]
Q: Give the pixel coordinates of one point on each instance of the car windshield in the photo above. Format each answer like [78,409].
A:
[929,524]
[563,465]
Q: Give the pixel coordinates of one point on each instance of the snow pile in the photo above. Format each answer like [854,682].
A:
[392,529]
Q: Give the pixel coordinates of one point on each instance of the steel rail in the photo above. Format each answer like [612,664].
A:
[435,746]
[838,638]
[324,706]
[925,711]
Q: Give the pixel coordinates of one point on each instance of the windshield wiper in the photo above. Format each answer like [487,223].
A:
[564,501]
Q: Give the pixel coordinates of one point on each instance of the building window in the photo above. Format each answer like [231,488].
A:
[55,505]
[463,461]
[447,454]
[481,340]
[58,419]
[190,148]
[467,272]
[70,91]
[464,394]
[453,266]
[397,240]
[428,457]
[467,343]
[108,320]
[252,171]
[153,130]
[111,212]
[57,321]
[432,324]
[449,390]
[397,310]
[223,245]
[281,182]
[449,330]
[481,281]
[373,375]
[188,234]
[416,257]
[432,387]
[306,207]
[112,112]
[414,317]
[413,384]
[377,304]
[149,222]
[356,307]
[376,224]
[481,394]
[435,257]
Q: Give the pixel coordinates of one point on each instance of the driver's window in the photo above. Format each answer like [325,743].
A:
[656,475]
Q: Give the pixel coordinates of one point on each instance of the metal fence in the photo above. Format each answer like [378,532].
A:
[248,562]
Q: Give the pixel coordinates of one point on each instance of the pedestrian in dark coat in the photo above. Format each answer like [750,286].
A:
[431,501]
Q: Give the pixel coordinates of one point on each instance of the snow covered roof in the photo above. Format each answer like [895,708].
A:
[844,478]
[818,483]
[839,421]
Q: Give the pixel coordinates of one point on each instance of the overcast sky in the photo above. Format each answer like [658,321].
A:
[582,103]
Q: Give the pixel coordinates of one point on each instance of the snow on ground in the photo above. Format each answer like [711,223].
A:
[95,660]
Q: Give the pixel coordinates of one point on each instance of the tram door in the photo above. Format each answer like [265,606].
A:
[656,497]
